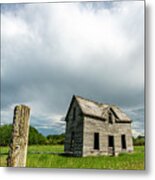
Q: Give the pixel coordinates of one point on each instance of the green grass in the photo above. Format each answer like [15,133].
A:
[133,160]
[46,148]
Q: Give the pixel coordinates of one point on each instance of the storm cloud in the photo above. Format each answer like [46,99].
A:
[51,51]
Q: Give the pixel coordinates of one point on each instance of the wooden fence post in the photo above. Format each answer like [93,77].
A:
[19,140]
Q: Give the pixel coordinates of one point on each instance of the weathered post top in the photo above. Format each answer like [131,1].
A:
[19,140]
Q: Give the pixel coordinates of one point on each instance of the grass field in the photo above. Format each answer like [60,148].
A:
[133,160]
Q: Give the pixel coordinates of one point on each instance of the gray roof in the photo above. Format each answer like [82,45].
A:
[99,110]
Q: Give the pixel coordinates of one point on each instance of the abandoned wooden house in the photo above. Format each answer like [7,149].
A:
[96,129]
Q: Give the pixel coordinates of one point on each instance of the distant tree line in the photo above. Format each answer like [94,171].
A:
[35,138]
[56,139]
[139,141]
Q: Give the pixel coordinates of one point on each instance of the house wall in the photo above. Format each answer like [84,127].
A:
[105,129]
[76,126]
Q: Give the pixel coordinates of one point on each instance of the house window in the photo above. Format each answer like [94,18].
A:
[110,118]
[123,141]
[74,113]
[72,141]
[96,141]
[111,141]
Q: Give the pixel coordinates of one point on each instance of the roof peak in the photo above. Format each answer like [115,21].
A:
[99,110]
[90,100]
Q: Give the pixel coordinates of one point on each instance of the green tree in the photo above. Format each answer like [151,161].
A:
[5,135]
[139,141]
[56,139]
[34,136]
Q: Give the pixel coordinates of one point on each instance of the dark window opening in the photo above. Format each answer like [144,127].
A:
[74,113]
[123,141]
[72,140]
[111,141]
[110,118]
[96,141]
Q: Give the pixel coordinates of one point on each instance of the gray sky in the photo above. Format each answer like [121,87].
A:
[52,51]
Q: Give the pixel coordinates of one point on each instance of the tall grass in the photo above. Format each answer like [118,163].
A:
[133,160]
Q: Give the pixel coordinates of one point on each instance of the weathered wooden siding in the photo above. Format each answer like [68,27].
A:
[76,126]
[111,122]
[105,129]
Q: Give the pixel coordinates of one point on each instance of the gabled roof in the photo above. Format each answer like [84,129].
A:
[92,108]
[99,110]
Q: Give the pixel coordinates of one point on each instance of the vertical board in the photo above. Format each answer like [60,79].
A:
[19,140]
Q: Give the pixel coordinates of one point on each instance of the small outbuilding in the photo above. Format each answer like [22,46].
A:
[96,129]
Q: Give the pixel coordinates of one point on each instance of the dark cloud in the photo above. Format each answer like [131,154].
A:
[52,51]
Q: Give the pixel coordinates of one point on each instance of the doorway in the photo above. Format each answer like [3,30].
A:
[111,141]
[123,141]
[111,145]
[96,141]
